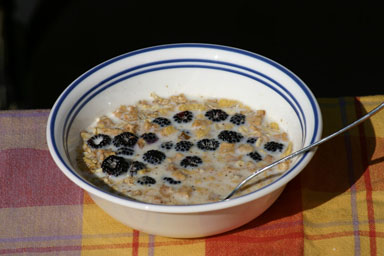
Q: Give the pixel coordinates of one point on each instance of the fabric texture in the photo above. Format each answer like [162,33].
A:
[335,206]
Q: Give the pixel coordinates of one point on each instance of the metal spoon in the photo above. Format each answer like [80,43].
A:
[298,152]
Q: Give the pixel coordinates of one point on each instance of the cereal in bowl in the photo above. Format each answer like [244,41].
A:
[180,151]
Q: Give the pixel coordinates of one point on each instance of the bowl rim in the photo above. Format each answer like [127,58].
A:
[212,206]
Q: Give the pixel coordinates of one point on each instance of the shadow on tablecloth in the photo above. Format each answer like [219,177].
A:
[335,169]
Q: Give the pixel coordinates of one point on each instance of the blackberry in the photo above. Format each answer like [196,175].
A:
[136,166]
[230,136]
[146,180]
[216,115]
[183,117]
[183,145]
[255,156]
[125,151]
[150,137]
[162,121]
[208,144]
[171,181]
[273,146]
[115,165]
[238,119]
[167,145]
[99,141]
[125,139]
[153,156]
[191,161]
[252,140]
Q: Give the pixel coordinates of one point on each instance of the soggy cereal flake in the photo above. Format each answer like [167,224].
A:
[166,131]
[227,103]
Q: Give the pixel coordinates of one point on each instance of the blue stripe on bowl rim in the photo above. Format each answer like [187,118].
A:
[219,47]
[94,91]
[74,112]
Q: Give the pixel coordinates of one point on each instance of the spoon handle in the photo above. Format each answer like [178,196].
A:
[300,151]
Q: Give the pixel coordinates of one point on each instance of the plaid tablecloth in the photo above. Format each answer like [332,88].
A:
[334,207]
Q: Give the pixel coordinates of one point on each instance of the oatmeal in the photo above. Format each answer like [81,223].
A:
[179,151]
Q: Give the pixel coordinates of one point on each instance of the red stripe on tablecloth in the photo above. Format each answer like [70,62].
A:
[261,239]
[342,234]
[367,181]
[135,243]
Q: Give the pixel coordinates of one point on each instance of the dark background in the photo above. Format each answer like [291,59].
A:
[336,49]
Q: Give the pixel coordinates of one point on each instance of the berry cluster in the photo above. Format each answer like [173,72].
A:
[252,140]
[255,156]
[150,137]
[230,136]
[136,166]
[154,157]
[162,121]
[216,115]
[125,151]
[171,181]
[191,161]
[183,146]
[183,117]
[99,141]
[167,145]
[115,165]
[208,144]
[146,180]
[125,139]
[238,119]
[273,146]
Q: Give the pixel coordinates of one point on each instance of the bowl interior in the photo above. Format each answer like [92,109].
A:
[195,70]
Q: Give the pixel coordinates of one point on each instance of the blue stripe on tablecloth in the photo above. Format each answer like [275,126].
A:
[17,113]
[351,177]
[63,237]
[151,245]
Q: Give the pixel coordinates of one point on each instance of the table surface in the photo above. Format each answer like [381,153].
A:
[335,206]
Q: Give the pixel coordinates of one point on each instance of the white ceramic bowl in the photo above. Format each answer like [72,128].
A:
[193,69]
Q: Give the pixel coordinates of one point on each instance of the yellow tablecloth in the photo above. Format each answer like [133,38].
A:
[334,207]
